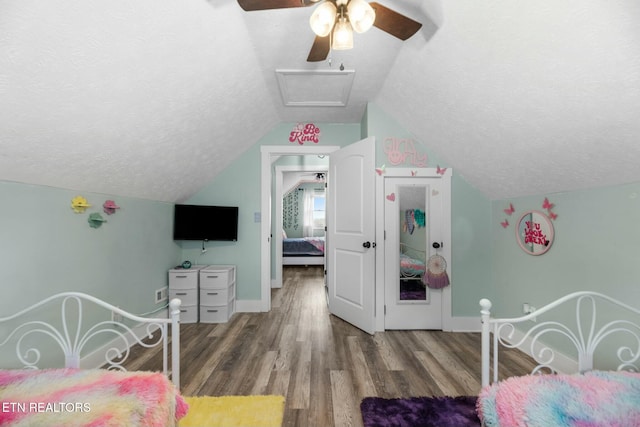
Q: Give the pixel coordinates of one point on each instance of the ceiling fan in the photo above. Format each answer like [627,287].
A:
[333,21]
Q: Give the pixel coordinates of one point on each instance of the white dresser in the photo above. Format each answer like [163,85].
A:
[217,293]
[183,284]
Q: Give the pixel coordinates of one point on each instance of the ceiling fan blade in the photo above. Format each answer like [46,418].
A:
[251,5]
[320,49]
[393,22]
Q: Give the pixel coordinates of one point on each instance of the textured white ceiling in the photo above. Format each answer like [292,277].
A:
[153,98]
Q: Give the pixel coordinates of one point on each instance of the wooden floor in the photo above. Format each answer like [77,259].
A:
[321,364]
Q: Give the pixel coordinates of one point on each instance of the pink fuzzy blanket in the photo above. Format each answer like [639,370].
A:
[88,398]
[597,398]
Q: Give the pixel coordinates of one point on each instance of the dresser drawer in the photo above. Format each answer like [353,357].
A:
[220,277]
[215,296]
[216,314]
[186,296]
[188,314]
[183,279]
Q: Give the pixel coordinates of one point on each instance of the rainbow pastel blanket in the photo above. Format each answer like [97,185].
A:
[596,398]
[88,398]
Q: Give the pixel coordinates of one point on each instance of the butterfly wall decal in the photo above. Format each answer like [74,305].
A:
[440,171]
[505,223]
[546,204]
[510,210]
[380,170]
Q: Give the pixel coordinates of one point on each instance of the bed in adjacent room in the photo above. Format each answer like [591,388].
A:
[303,251]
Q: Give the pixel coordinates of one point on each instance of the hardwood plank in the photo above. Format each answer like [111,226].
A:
[344,405]
[264,374]
[321,364]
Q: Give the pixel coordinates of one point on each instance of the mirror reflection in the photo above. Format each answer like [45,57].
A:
[534,232]
[413,243]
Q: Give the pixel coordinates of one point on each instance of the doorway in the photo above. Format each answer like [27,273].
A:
[269,155]
[350,289]
[416,206]
[412,210]
[288,178]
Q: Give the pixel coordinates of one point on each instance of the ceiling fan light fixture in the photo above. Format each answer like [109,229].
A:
[323,18]
[342,35]
[361,15]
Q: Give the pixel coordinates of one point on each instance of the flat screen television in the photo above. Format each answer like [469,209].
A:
[199,222]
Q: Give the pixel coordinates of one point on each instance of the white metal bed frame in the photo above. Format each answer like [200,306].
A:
[585,341]
[72,339]
[415,254]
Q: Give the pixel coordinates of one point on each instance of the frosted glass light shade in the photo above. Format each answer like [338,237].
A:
[323,18]
[361,15]
[342,35]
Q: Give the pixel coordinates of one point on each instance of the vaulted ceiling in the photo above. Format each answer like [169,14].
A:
[141,98]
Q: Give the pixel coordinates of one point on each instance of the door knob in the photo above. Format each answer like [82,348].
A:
[366,244]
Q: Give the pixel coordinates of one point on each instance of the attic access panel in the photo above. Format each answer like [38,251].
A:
[315,88]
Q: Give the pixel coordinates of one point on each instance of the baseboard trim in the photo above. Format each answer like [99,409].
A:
[248,306]
[465,324]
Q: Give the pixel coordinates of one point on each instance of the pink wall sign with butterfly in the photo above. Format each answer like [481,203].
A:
[302,133]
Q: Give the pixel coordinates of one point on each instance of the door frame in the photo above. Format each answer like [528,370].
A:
[277,197]
[445,237]
[268,154]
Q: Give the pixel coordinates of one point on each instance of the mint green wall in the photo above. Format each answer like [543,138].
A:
[46,248]
[239,185]
[596,248]
[470,219]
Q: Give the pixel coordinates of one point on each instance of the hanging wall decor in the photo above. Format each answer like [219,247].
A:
[110,207]
[402,150]
[302,133]
[534,232]
[290,211]
[95,220]
[436,276]
[79,204]
[380,170]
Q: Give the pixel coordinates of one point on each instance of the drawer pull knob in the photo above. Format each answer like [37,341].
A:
[181,293]
[212,293]
[181,277]
[212,277]
[183,311]
[212,311]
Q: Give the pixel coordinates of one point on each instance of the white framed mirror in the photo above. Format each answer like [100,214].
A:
[534,232]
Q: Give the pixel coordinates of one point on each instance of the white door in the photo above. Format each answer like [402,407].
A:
[351,234]
[413,211]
